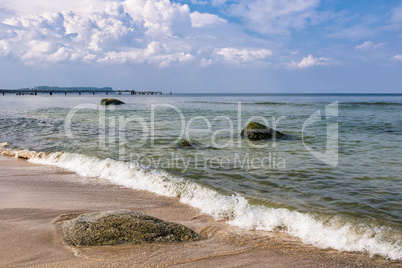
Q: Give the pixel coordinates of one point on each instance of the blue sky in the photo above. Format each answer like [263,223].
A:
[269,46]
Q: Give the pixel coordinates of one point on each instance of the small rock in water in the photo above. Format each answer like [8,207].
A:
[257,131]
[111,101]
[124,227]
[186,143]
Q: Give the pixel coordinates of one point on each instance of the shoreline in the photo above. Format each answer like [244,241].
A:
[34,196]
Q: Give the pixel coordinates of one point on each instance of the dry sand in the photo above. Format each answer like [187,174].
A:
[33,197]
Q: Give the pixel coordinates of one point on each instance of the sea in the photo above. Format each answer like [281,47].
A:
[333,182]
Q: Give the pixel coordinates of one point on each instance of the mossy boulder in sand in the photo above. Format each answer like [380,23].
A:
[124,227]
[257,131]
[111,102]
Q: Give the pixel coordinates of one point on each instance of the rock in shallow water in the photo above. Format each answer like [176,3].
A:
[186,143]
[111,101]
[257,131]
[124,227]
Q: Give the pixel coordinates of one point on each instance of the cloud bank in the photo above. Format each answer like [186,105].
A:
[157,32]
[163,33]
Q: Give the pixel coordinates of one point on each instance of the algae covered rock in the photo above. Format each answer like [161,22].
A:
[124,227]
[111,101]
[257,131]
[186,143]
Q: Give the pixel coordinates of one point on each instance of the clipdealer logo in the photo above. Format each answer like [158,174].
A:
[112,130]
[330,156]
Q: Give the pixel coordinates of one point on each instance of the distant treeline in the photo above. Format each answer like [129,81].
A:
[59,89]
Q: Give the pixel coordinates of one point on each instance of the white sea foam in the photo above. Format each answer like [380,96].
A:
[336,233]
[3,144]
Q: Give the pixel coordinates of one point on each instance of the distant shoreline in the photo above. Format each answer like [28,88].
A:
[46,89]
[291,94]
[58,89]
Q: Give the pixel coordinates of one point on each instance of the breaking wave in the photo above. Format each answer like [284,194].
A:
[330,232]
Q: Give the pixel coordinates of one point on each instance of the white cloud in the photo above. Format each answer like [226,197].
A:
[234,55]
[354,33]
[205,20]
[218,2]
[205,62]
[62,36]
[157,16]
[365,45]
[396,16]
[310,61]
[153,53]
[397,57]
[134,31]
[24,7]
[368,45]
[276,16]
[109,35]
[5,13]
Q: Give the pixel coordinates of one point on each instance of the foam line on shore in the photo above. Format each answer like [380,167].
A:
[336,232]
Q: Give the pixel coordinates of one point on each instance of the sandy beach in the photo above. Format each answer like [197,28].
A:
[35,198]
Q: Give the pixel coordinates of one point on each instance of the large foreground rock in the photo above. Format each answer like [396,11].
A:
[257,131]
[111,101]
[124,227]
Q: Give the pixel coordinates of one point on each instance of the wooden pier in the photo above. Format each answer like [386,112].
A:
[65,92]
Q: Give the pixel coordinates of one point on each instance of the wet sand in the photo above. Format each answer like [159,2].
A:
[33,199]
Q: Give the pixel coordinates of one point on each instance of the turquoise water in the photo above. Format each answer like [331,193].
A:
[352,195]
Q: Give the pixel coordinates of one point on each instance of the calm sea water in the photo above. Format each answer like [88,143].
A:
[335,183]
